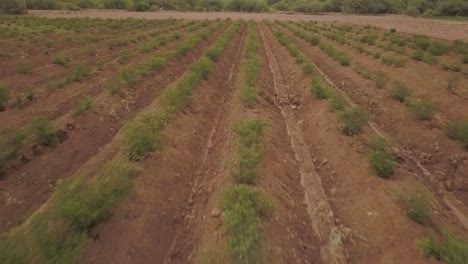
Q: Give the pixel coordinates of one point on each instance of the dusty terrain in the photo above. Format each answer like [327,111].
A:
[327,202]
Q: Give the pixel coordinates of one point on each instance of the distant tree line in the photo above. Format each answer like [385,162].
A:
[410,7]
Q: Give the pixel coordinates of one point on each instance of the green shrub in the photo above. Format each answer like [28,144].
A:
[24,68]
[4,97]
[422,42]
[400,92]
[142,7]
[44,132]
[465,58]
[424,110]
[418,55]
[438,49]
[60,60]
[140,139]
[380,79]
[250,134]
[84,105]
[246,5]
[353,119]
[338,102]
[80,71]
[459,130]
[394,60]
[416,199]
[243,208]
[320,88]
[381,156]
[248,96]
[452,67]
[450,249]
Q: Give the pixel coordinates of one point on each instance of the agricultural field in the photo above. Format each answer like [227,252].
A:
[231,141]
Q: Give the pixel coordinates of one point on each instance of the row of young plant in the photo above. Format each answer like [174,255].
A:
[12,141]
[80,71]
[425,110]
[130,75]
[243,204]
[26,26]
[422,50]
[313,39]
[418,47]
[417,200]
[59,230]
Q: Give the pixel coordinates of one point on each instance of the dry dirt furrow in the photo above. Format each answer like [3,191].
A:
[426,141]
[27,186]
[373,227]
[287,235]
[145,227]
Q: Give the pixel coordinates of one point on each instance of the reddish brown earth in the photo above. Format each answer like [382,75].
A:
[26,186]
[317,178]
[431,27]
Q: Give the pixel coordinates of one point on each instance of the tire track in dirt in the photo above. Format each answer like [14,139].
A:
[155,215]
[423,144]
[319,210]
[27,187]
[374,228]
[288,236]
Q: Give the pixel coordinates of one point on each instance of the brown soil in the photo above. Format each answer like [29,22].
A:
[432,27]
[26,186]
[329,206]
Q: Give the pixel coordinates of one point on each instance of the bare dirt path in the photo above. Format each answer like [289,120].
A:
[436,28]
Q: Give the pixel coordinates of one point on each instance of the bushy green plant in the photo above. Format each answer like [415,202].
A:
[381,156]
[243,208]
[394,60]
[353,119]
[250,134]
[459,130]
[80,71]
[140,139]
[319,88]
[84,105]
[400,92]
[450,248]
[438,49]
[248,96]
[4,97]
[416,200]
[60,60]
[44,132]
[424,109]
